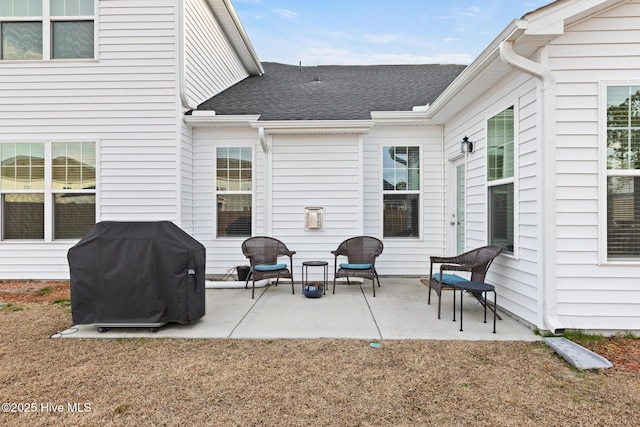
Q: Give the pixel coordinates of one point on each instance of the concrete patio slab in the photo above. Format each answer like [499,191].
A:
[399,311]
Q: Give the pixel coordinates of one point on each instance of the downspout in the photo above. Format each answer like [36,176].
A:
[548,178]
[264,143]
[263,140]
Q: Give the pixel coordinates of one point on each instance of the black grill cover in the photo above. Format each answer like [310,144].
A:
[137,273]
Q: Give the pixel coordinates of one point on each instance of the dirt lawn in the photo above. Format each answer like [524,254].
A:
[116,382]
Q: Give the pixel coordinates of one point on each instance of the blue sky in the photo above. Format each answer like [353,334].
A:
[359,32]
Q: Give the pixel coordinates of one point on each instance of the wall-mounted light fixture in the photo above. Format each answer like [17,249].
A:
[466,146]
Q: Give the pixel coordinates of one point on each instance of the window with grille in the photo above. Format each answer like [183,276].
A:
[234,191]
[47,186]
[47,29]
[401,191]
[500,178]
[623,172]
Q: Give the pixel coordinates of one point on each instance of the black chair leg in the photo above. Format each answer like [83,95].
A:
[246,282]
[461,295]
[495,308]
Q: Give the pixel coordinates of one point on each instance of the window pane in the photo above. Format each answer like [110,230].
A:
[21,40]
[23,216]
[500,137]
[73,165]
[22,166]
[623,127]
[623,217]
[401,215]
[234,169]
[20,7]
[234,215]
[401,168]
[74,215]
[72,39]
[71,7]
[501,214]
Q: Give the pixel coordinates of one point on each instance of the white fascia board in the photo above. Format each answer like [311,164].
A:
[402,118]
[490,54]
[538,26]
[237,36]
[210,119]
[298,127]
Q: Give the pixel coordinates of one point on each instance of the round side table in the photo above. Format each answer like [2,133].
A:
[305,273]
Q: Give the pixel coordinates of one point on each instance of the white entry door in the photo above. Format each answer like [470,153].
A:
[460,207]
[456,207]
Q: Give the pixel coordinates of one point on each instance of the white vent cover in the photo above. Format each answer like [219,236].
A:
[313,218]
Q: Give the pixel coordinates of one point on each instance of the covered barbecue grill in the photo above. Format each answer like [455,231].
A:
[137,274]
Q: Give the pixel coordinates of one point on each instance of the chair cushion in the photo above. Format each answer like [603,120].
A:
[270,267]
[355,266]
[449,279]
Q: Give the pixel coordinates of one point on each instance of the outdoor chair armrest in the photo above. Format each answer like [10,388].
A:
[459,267]
[453,267]
[440,259]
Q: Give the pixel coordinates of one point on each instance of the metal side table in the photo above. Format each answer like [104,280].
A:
[305,273]
[476,287]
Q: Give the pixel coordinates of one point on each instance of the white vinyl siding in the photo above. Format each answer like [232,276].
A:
[516,278]
[315,171]
[127,102]
[211,64]
[593,293]
[341,173]
[223,253]
[406,256]
[187,178]
[590,294]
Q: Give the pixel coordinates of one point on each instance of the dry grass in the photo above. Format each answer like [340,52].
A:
[296,382]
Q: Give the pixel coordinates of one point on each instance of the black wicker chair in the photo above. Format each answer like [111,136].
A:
[361,253]
[263,254]
[476,261]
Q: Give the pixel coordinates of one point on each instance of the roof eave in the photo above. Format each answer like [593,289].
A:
[401,118]
[208,118]
[301,127]
[236,35]
[489,56]
[535,30]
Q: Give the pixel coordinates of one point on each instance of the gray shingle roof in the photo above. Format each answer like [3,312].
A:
[333,92]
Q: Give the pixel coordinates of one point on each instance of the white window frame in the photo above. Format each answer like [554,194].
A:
[47,39]
[49,192]
[419,192]
[216,192]
[510,180]
[605,173]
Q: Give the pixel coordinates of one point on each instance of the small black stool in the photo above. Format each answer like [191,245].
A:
[305,273]
[476,288]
